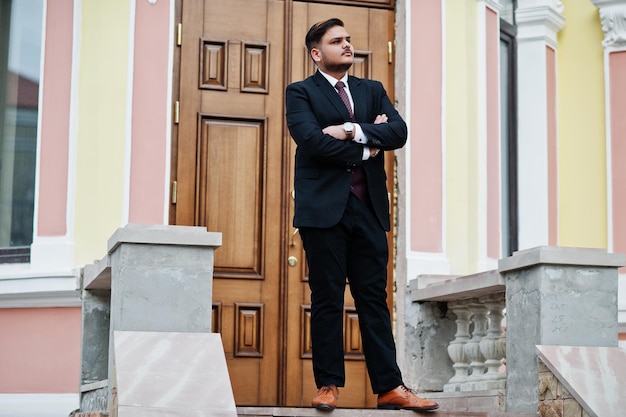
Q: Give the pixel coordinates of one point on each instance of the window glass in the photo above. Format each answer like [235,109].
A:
[20,57]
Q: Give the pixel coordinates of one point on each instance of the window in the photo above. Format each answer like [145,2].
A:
[508,127]
[20,56]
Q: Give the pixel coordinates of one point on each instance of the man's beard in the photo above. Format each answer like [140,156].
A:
[338,67]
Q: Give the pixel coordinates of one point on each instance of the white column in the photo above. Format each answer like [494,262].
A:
[538,22]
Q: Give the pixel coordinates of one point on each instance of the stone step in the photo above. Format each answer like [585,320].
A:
[361,412]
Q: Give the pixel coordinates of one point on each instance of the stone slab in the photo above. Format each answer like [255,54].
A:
[164,235]
[170,374]
[363,412]
[559,255]
[458,288]
[595,376]
[97,276]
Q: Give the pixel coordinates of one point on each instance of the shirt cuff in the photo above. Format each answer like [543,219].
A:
[366,153]
[359,136]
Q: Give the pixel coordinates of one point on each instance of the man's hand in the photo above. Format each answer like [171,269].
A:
[381,118]
[337,132]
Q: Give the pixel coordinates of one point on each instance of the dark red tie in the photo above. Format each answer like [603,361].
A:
[340,86]
[358,184]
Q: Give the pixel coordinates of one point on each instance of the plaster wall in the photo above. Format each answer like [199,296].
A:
[40,350]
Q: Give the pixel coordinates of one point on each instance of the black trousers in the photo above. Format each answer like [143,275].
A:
[355,248]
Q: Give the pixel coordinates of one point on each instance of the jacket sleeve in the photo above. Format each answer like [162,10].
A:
[305,121]
[386,136]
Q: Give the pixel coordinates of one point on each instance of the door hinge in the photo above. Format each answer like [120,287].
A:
[390,52]
[179,34]
[174,189]
[176,112]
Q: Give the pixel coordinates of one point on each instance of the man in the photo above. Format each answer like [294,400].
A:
[342,211]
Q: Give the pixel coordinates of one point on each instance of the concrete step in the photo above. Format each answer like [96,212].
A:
[361,412]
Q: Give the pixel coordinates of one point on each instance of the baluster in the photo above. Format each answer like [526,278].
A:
[472,347]
[456,349]
[492,345]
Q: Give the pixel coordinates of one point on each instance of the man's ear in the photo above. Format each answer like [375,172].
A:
[315,55]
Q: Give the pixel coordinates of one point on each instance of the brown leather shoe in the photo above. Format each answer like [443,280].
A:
[326,398]
[403,398]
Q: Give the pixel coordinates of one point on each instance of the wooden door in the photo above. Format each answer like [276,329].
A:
[233,171]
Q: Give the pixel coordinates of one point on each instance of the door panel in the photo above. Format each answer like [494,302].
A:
[234,172]
[228,201]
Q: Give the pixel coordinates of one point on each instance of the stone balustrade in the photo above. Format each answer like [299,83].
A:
[548,294]
[478,349]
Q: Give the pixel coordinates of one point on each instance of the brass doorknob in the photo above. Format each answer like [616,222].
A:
[292,261]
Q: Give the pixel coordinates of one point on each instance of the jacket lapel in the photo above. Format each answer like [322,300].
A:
[358,97]
[331,93]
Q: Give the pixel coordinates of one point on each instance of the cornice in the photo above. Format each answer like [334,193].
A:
[41,299]
[494,5]
[539,20]
[613,19]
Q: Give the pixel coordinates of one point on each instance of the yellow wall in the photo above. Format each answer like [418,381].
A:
[461,117]
[581,134]
[101,113]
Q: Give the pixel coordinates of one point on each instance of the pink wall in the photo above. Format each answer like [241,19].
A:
[617,78]
[150,113]
[425,130]
[493,134]
[552,146]
[55,111]
[40,350]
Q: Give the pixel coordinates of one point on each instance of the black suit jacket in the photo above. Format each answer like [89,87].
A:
[323,164]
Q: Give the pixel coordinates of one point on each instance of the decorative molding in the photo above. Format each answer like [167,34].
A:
[216,318]
[306,345]
[493,5]
[249,330]
[22,286]
[255,68]
[540,20]
[613,19]
[38,404]
[353,347]
[41,299]
[213,64]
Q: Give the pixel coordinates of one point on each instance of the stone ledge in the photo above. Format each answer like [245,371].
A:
[361,412]
[97,276]
[558,255]
[164,235]
[458,288]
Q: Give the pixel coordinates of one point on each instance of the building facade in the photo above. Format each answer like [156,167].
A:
[516,130]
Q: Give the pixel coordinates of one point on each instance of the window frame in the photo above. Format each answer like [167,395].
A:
[508,35]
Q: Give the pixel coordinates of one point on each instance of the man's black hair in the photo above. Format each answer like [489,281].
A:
[317,31]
